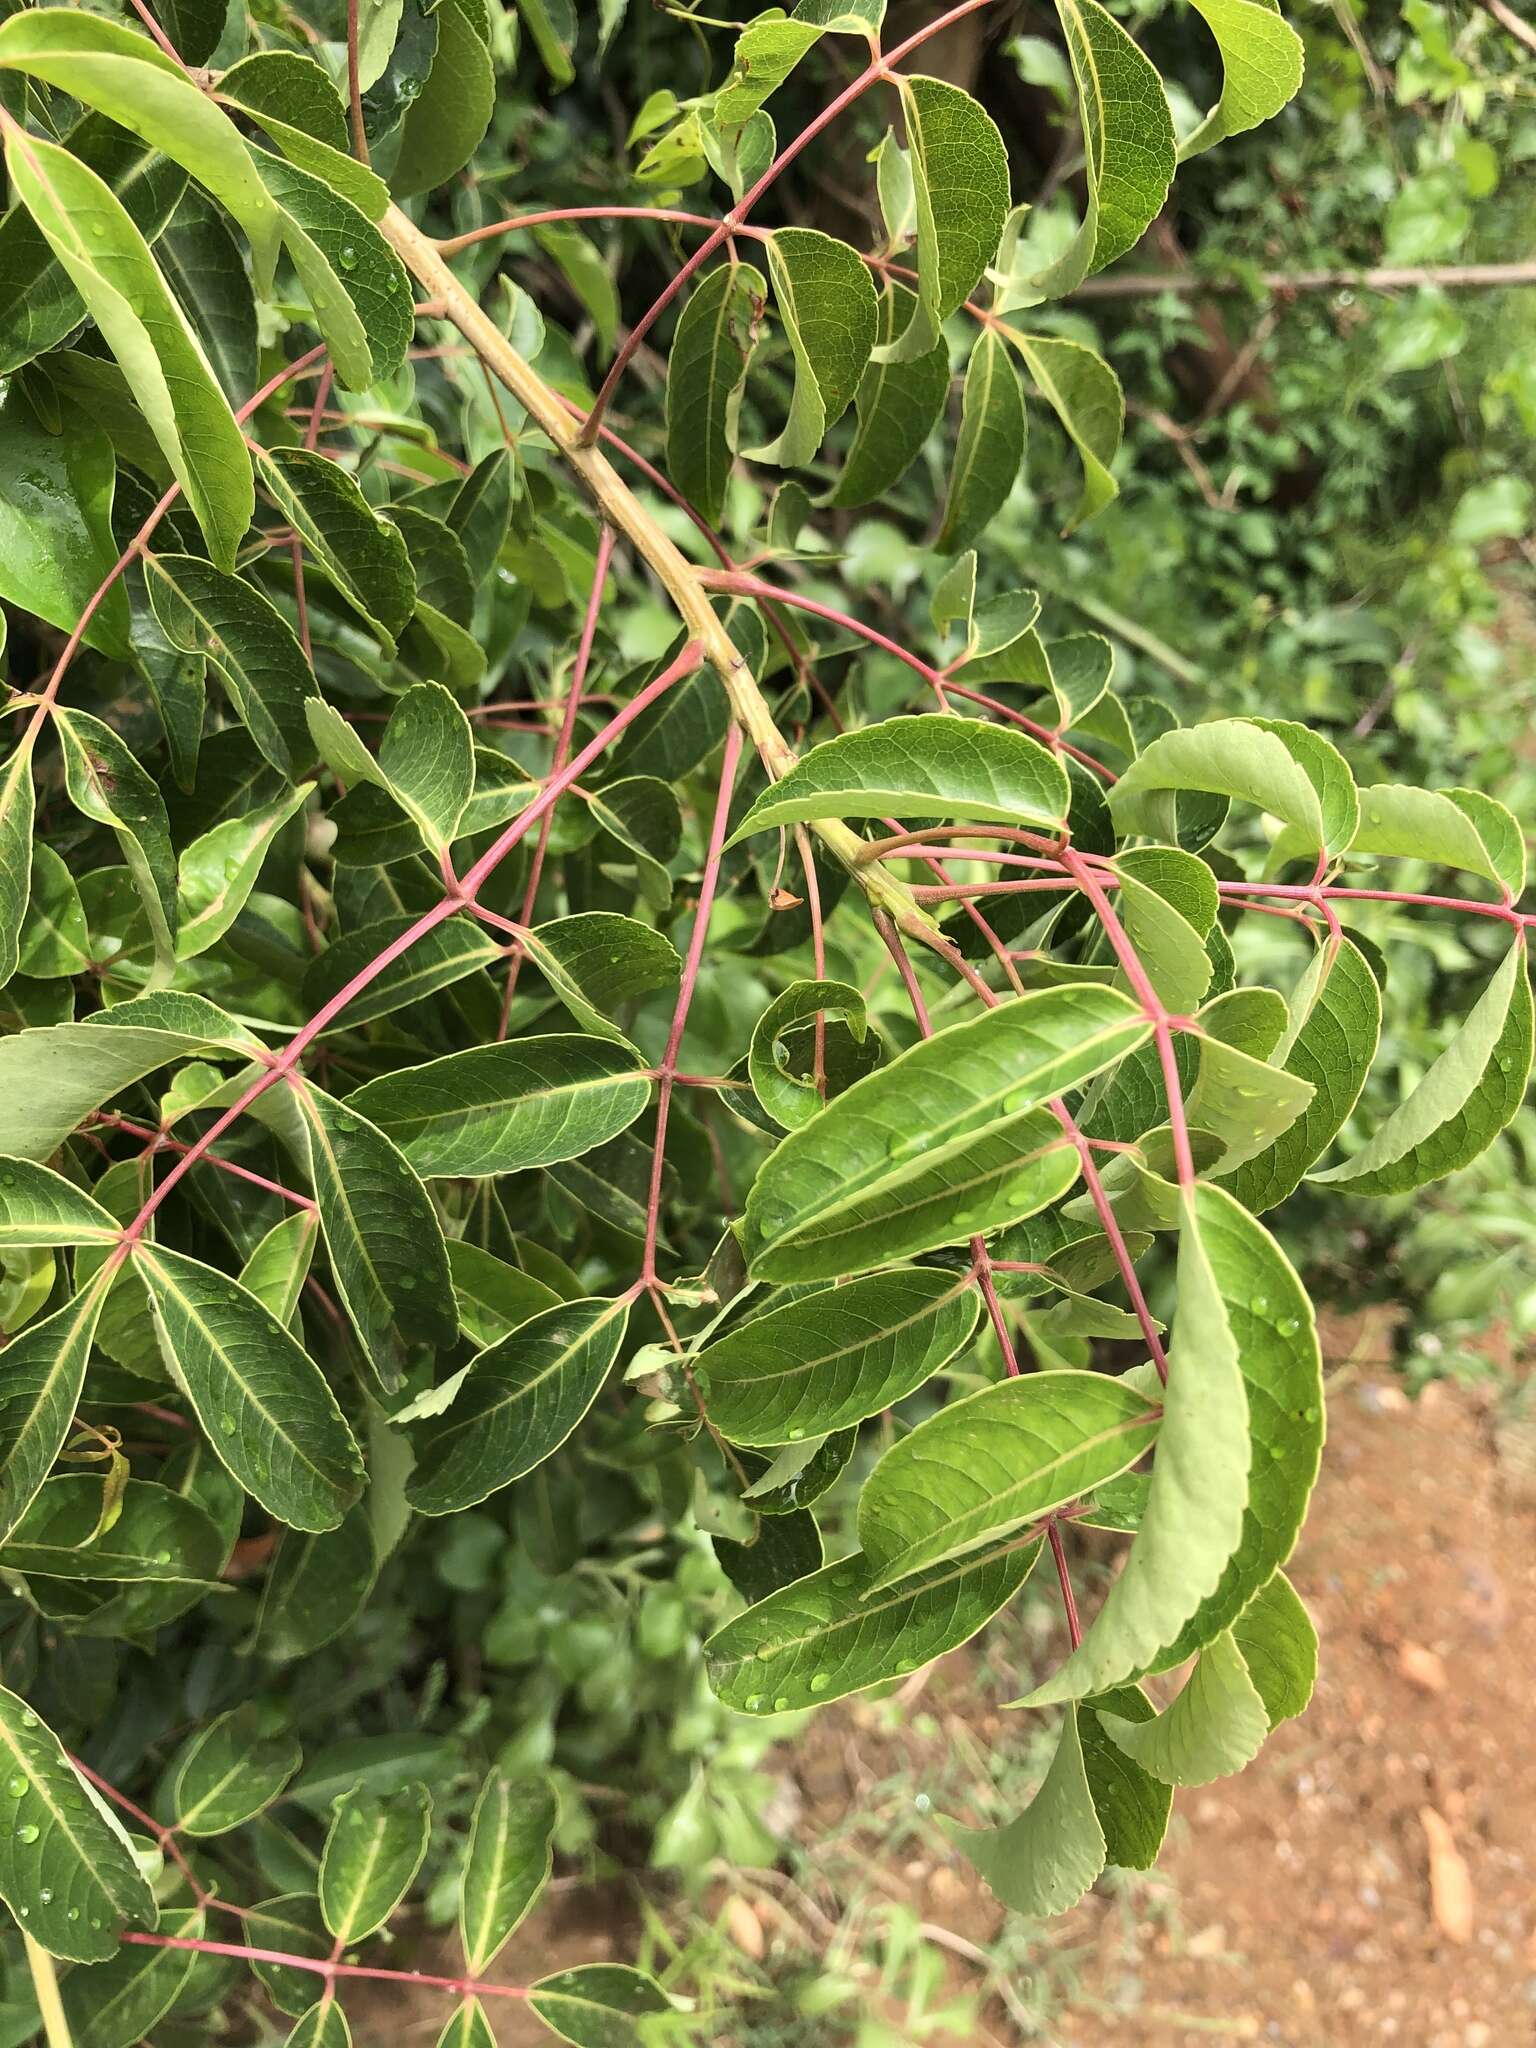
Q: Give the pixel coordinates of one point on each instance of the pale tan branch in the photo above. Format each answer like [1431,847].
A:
[623,511]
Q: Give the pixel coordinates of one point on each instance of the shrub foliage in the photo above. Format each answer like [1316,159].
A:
[527,984]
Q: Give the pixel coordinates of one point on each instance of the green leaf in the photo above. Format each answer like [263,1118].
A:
[293,99]
[292,1924]
[1278,1643]
[364,556]
[706,373]
[826,1360]
[643,816]
[44,1373]
[323,2026]
[1042,1862]
[1194,1516]
[987,1465]
[898,406]
[107,784]
[446,123]
[792,1099]
[1215,1726]
[122,74]
[152,1534]
[587,274]
[382,1234]
[39,307]
[202,263]
[827,304]
[109,263]
[118,2002]
[1459,1107]
[41,1207]
[66,1867]
[56,541]
[375,1846]
[505,1108]
[960,191]
[766,52]
[1242,1101]
[1336,1024]
[232,1770]
[1270,1316]
[599,2005]
[832,1634]
[18,809]
[920,767]
[204,612]
[276,1270]
[506,1865]
[54,1076]
[356,284]
[1133,1806]
[1305,785]
[1085,395]
[1455,828]
[989,448]
[1128,142]
[468,2027]
[518,1403]
[597,961]
[1170,948]
[427,762]
[317,1586]
[1261,61]
[493,1297]
[219,870]
[294,88]
[947,1141]
[54,938]
[263,1403]
[440,957]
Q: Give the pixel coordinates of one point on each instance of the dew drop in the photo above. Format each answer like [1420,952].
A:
[28,1718]
[45,1897]
[16,1785]
[820,1682]
[162,1557]
[347,256]
[1259,1304]
[923,1803]
[753,1703]
[781,1705]
[1276,1452]
[227,1425]
[795,1434]
[73,1913]
[9,1179]
[29,1832]
[24,1912]
[767,1650]
[345,1123]
[1288,1326]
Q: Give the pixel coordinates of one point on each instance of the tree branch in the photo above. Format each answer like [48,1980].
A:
[685,584]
